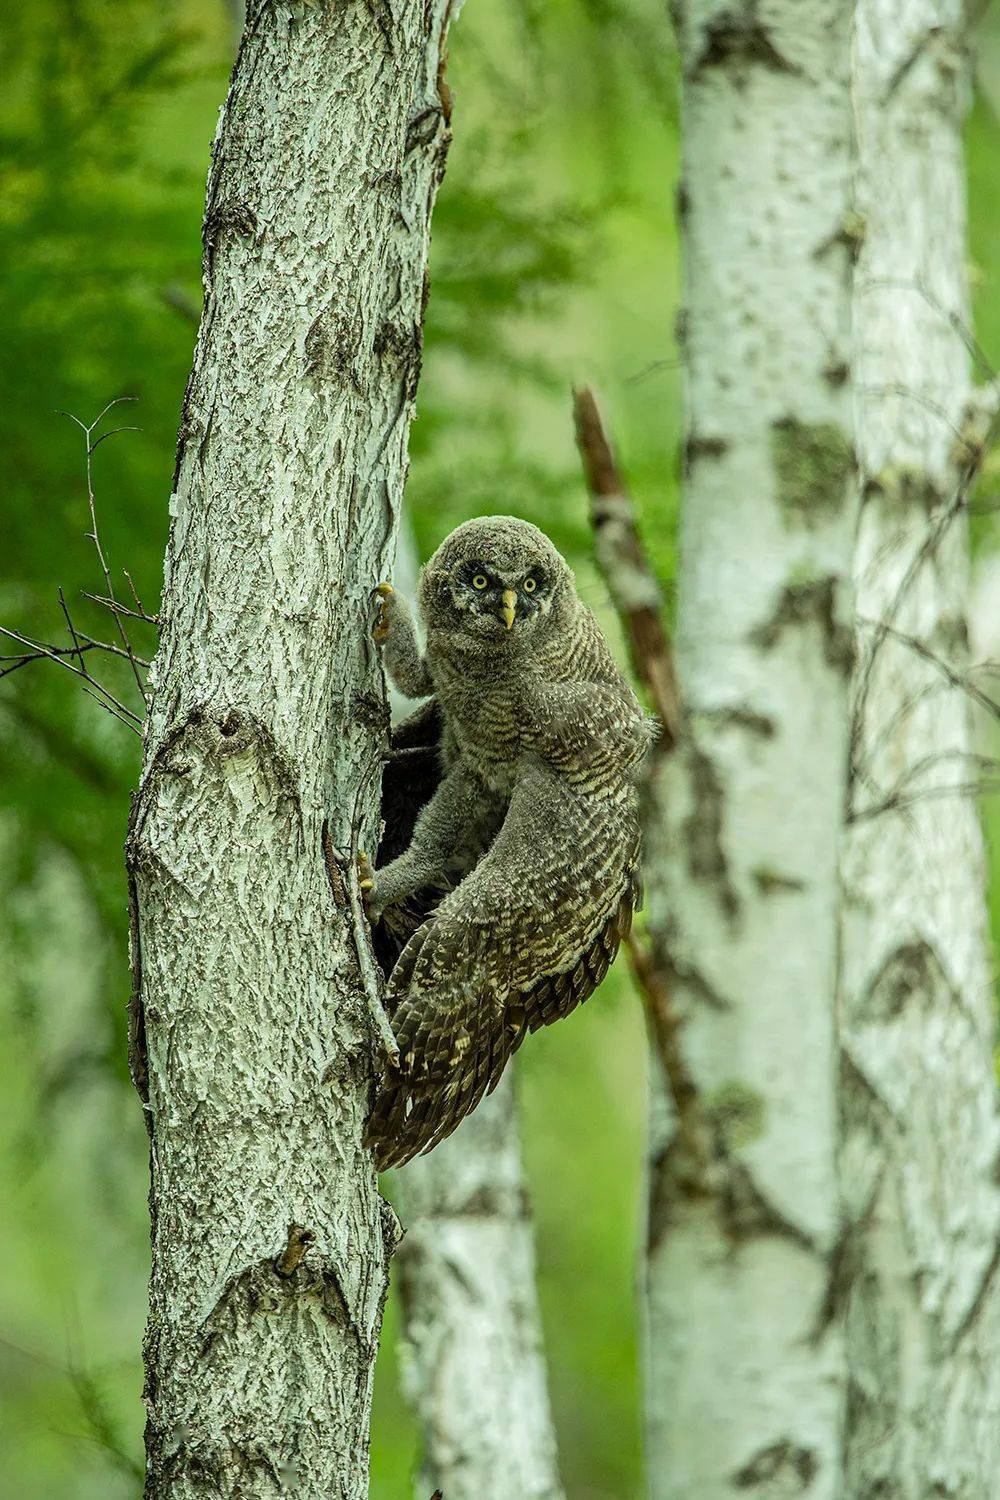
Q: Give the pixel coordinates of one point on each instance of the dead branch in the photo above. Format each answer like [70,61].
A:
[665,1028]
[81,644]
[117,608]
[36,650]
[91,444]
[900,802]
[954,678]
[72,657]
[634,589]
[636,595]
[986,433]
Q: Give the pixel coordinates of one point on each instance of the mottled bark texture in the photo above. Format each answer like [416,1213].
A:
[473,1366]
[745,1362]
[917,1008]
[252,1042]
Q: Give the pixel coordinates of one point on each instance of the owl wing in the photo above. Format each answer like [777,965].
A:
[527,936]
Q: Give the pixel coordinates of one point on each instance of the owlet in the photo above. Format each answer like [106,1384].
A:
[521,876]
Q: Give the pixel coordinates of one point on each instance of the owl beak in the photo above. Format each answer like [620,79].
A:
[509,607]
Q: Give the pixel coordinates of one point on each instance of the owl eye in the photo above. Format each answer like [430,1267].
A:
[530,585]
[480,581]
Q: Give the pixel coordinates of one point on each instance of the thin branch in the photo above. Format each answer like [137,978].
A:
[46,653]
[622,560]
[91,447]
[655,367]
[72,657]
[37,649]
[637,598]
[952,675]
[135,595]
[117,608]
[69,626]
[906,393]
[952,318]
[895,721]
[927,548]
[988,764]
[113,433]
[898,803]
[665,1026]
[132,722]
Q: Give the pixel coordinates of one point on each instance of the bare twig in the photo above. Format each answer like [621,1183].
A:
[135,595]
[90,446]
[952,675]
[929,545]
[906,393]
[36,649]
[954,319]
[621,557]
[655,367]
[118,608]
[81,644]
[179,299]
[898,802]
[69,627]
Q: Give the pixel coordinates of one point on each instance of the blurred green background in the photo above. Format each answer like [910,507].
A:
[554,259]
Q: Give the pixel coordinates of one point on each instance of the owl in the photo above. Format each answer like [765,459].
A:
[513,884]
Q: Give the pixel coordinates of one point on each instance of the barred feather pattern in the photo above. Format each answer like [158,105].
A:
[542,738]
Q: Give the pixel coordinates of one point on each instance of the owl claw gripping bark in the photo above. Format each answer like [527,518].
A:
[518,883]
[366,885]
[383,593]
[366,876]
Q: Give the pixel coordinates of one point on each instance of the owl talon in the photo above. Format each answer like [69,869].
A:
[383,593]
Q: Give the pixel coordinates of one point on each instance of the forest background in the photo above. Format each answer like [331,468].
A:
[554,258]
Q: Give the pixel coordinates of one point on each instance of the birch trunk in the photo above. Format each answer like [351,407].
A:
[252,1040]
[917,1009]
[472,1357]
[745,1363]
[473,1365]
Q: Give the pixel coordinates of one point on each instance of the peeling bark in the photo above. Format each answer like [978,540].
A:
[745,1366]
[252,1040]
[473,1364]
[917,1007]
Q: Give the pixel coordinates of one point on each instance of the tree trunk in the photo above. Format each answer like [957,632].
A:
[745,1363]
[473,1365]
[252,1039]
[917,1007]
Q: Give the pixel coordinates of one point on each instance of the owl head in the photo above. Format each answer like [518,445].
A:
[496,580]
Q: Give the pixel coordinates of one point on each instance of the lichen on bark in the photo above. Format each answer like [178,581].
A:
[252,1038]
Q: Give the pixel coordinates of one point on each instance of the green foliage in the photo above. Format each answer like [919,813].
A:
[554,260]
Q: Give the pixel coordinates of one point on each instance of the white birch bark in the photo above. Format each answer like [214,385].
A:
[745,1365]
[472,1358]
[253,1043]
[917,1009]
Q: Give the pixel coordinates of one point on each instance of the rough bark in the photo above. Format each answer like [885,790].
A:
[745,1363]
[473,1365]
[917,1007]
[252,1039]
